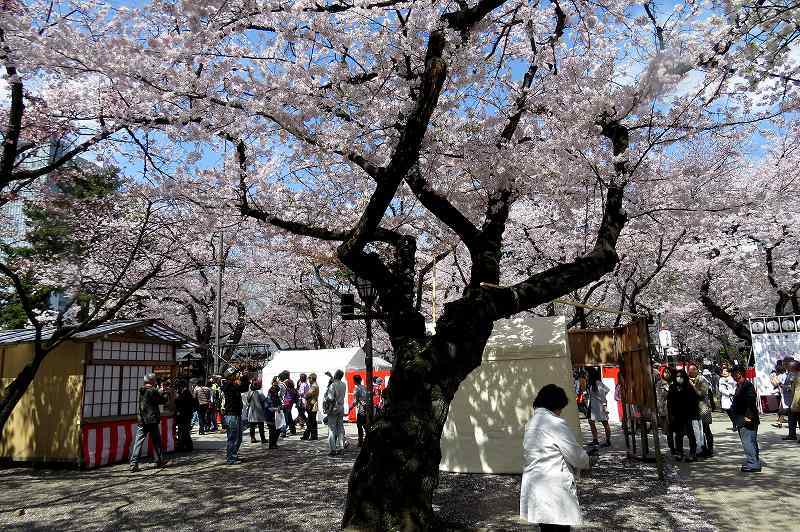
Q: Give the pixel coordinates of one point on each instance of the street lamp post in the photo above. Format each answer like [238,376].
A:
[368,294]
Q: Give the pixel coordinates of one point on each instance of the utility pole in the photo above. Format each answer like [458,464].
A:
[218,313]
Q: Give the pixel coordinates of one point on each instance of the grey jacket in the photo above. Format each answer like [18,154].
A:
[253,403]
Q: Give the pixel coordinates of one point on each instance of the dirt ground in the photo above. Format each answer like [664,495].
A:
[298,487]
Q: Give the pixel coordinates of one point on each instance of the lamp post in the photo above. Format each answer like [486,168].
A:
[368,294]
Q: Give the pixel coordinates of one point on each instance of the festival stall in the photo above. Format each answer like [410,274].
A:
[351,360]
[773,338]
[486,420]
[81,406]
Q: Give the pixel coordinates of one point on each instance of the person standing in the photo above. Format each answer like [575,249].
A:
[745,415]
[289,400]
[254,404]
[776,378]
[682,404]
[202,394]
[785,387]
[302,388]
[794,400]
[662,391]
[598,406]
[552,458]
[334,399]
[360,406]
[184,409]
[233,389]
[702,388]
[149,417]
[273,409]
[214,406]
[727,388]
[312,408]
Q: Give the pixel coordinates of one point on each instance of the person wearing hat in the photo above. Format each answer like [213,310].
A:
[745,415]
[233,388]
[149,417]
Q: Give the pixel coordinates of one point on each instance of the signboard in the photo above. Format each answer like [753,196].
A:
[773,338]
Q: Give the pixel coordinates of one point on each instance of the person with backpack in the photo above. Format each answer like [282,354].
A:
[333,407]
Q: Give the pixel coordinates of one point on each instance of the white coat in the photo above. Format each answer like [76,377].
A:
[727,389]
[552,457]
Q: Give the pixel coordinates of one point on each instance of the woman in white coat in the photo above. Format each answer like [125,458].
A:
[727,389]
[552,458]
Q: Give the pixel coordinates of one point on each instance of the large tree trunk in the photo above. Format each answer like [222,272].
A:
[14,392]
[397,471]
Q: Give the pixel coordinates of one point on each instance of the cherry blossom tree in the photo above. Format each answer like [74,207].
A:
[393,132]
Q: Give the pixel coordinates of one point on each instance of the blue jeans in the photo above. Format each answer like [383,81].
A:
[336,432]
[750,445]
[142,431]
[234,437]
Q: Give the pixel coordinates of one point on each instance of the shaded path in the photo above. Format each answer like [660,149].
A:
[752,502]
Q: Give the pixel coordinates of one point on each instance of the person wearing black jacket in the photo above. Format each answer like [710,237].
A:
[683,406]
[184,408]
[233,389]
[149,419]
[745,418]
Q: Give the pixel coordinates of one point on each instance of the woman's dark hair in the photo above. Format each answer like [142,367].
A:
[357,379]
[551,397]
[593,376]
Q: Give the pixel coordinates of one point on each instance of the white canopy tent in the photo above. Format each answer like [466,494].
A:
[319,361]
[485,425]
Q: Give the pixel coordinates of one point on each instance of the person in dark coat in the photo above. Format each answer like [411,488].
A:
[184,409]
[233,388]
[683,406]
[745,418]
[149,416]
[272,408]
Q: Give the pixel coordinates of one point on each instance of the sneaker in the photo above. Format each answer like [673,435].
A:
[745,469]
[134,468]
[163,463]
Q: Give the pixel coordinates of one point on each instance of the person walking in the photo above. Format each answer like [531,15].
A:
[727,388]
[745,415]
[552,458]
[682,404]
[702,388]
[312,408]
[254,404]
[232,389]
[184,409]
[149,419]
[360,406]
[598,405]
[273,409]
[794,401]
[334,410]
[202,394]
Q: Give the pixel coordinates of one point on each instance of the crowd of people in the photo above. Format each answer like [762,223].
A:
[234,402]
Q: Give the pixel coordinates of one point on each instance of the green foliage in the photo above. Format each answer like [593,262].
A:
[49,238]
